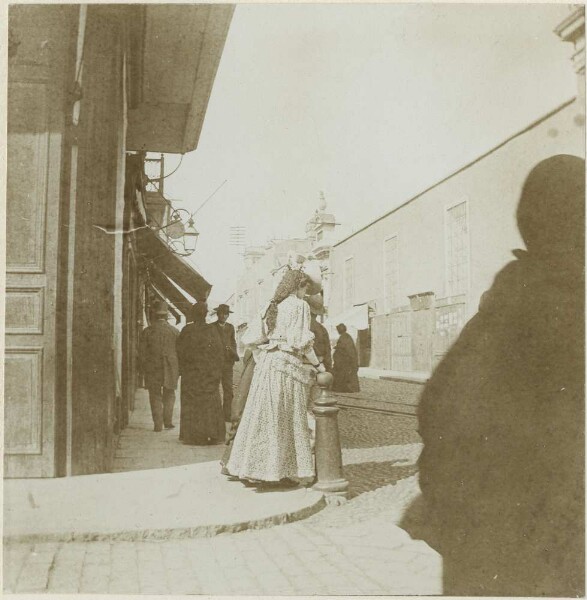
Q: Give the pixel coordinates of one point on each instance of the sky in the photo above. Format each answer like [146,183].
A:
[369,103]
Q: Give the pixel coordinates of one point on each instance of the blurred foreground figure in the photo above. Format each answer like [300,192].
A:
[502,418]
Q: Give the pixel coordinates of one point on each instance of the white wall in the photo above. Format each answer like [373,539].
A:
[491,188]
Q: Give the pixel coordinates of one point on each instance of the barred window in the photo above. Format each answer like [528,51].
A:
[457,249]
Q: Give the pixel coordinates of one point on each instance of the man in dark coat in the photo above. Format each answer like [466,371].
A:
[346,363]
[502,417]
[321,338]
[159,366]
[227,335]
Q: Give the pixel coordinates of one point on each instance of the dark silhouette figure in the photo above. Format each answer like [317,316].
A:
[346,363]
[502,418]
[200,351]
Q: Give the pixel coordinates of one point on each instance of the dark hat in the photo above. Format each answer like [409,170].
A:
[197,312]
[222,308]
[160,308]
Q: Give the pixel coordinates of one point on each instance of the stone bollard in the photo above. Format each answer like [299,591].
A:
[329,474]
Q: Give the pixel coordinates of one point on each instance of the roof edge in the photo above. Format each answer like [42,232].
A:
[463,168]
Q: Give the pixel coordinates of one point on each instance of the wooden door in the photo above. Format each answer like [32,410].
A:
[39,38]
[422,336]
[401,342]
[450,319]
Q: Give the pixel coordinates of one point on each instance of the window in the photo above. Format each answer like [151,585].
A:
[349,283]
[457,249]
[390,273]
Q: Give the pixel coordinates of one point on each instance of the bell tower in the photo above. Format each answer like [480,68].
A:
[320,229]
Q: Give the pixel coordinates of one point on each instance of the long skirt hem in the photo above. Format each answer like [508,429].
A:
[273,439]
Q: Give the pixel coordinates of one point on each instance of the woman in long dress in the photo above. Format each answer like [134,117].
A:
[200,352]
[272,443]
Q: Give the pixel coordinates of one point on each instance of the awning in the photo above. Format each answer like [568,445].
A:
[356,317]
[170,291]
[172,308]
[172,265]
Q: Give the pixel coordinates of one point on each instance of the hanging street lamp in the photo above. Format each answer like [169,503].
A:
[180,233]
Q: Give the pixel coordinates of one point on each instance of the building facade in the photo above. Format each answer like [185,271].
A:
[409,281]
[91,89]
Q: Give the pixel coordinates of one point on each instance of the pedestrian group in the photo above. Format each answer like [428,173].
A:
[501,418]
[270,435]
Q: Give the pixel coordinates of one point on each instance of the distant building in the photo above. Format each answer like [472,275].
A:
[263,266]
[408,282]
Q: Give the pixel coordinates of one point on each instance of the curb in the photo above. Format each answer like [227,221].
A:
[202,531]
[402,379]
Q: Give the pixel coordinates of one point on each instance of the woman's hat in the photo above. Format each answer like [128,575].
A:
[316,303]
[311,268]
[222,308]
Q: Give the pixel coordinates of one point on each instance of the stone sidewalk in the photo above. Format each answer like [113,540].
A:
[188,497]
[139,447]
[354,549]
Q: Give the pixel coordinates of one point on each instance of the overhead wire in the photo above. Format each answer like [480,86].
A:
[208,198]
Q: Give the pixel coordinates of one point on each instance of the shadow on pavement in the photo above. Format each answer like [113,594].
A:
[369,476]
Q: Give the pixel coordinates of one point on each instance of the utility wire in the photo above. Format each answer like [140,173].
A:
[208,198]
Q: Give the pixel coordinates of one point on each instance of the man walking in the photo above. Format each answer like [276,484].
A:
[226,332]
[159,365]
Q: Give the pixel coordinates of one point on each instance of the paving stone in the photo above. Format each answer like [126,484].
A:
[33,578]
[351,549]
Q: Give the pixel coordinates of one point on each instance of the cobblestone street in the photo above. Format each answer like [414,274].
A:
[355,548]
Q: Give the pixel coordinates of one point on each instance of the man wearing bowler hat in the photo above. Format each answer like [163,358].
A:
[226,332]
[160,367]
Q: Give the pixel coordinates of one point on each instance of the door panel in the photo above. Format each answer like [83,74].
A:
[401,342]
[422,336]
[450,319]
[23,400]
[35,136]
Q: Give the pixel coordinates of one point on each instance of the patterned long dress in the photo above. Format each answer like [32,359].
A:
[273,438]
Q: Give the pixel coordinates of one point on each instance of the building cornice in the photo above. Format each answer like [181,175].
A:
[572,29]
[458,171]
